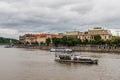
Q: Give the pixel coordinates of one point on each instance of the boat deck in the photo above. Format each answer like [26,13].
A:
[76,61]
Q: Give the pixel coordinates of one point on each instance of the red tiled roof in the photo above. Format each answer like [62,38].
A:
[40,35]
[54,35]
[35,35]
[43,35]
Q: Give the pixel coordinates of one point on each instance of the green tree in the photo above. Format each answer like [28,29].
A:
[115,40]
[56,41]
[79,41]
[97,39]
[64,40]
[70,41]
[86,41]
[48,41]
[7,40]
[108,42]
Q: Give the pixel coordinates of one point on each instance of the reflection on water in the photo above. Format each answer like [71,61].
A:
[32,64]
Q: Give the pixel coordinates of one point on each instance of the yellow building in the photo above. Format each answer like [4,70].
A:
[60,35]
[74,34]
[105,34]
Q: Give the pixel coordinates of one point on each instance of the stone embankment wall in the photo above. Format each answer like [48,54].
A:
[96,48]
[93,48]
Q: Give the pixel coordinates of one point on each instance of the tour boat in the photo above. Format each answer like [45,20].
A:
[8,46]
[60,50]
[68,57]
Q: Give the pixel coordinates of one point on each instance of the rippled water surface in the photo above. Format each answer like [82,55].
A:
[32,64]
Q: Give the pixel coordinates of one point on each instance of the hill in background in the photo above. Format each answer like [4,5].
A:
[7,40]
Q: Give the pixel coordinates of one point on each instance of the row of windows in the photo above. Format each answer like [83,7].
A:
[107,47]
[89,37]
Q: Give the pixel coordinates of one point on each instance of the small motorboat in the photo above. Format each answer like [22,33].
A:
[8,46]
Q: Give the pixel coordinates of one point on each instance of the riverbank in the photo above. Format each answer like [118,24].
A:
[91,48]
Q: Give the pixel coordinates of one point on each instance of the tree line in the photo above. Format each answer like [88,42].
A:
[7,40]
[73,41]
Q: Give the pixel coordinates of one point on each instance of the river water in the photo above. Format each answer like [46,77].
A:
[33,64]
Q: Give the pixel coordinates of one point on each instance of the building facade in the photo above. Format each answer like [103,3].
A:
[74,34]
[39,38]
[105,34]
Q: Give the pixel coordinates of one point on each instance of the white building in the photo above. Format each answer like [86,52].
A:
[115,32]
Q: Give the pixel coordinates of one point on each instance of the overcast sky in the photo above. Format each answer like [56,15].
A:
[35,16]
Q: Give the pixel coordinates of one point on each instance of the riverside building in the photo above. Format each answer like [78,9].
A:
[105,34]
[39,38]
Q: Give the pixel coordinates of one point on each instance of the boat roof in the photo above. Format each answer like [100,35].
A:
[60,48]
[64,53]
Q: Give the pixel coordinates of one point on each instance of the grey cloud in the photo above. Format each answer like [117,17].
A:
[83,8]
[58,15]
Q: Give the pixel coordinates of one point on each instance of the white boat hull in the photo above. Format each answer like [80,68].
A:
[76,61]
